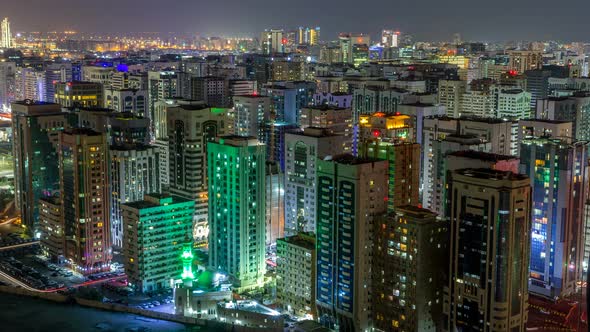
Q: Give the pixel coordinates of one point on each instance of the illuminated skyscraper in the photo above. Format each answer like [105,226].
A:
[84,191]
[558,175]
[237,215]
[352,193]
[409,262]
[35,128]
[308,36]
[303,150]
[5,34]
[156,229]
[487,288]
[190,128]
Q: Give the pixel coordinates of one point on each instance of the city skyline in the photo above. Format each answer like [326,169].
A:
[524,20]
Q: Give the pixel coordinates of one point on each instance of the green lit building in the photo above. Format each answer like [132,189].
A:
[237,212]
[155,231]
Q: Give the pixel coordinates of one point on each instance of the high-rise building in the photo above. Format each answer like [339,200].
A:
[164,85]
[303,150]
[127,100]
[466,159]
[288,70]
[418,111]
[390,38]
[214,91]
[296,276]
[308,36]
[250,114]
[122,128]
[487,289]
[190,128]
[31,84]
[8,88]
[521,61]
[272,41]
[433,170]
[98,74]
[404,169]
[479,103]
[134,172]
[348,41]
[450,95]
[385,127]
[84,192]
[35,128]
[51,228]
[56,72]
[351,195]
[574,108]
[156,229]
[5,34]
[333,118]
[374,99]
[410,259]
[513,104]
[79,94]
[237,215]
[538,82]
[557,169]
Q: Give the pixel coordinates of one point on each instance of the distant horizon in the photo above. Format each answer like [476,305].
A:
[374,37]
[426,20]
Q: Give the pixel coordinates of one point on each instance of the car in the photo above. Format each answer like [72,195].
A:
[166,301]
[156,303]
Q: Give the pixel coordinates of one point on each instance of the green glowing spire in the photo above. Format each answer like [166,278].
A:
[187,262]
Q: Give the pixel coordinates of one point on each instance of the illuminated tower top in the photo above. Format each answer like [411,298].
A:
[187,261]
[5,35]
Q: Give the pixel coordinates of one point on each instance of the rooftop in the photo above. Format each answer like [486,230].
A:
[150,201]
[485,156]
[415,212]
[303,240]
[82,131]
[491,174]
[325,107]
[348,159]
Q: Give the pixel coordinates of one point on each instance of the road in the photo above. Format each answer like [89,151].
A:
[20,245]
[13,281]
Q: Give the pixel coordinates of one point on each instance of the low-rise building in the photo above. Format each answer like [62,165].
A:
[155,230]
[296,274]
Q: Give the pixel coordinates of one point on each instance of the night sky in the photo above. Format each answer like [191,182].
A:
[497,20]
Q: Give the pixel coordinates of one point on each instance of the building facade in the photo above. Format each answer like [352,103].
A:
[488,289]
[237,215]
[351,195]
[84,191]
[156,229]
